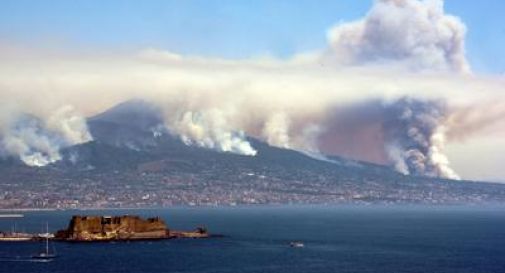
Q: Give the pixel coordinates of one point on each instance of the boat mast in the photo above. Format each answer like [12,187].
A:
[47,238]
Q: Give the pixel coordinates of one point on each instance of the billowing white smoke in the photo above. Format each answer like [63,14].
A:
[415,137]
[70,125]
[290,131]
[27,140]
[37,142]
[276,130]
[210,129]
[412,33]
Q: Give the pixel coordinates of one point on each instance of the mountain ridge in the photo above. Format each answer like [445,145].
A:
[129,165]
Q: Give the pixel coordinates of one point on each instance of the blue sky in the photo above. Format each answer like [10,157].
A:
[228,29]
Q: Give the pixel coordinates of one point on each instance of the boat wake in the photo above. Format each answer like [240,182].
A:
[25,259]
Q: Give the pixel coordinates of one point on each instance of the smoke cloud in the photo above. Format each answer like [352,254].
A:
[276,130]
[209,129]
[485,117]
[26,139]
[391,88]
[407,133]
[415,138]
[70,125]
[37,142]
[411,33]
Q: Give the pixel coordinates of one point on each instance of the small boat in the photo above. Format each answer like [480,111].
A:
[297,244]
[45,255]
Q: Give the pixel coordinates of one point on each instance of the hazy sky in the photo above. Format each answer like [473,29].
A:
[243,29]
[227,28]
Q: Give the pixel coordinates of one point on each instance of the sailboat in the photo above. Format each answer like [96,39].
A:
[45,255]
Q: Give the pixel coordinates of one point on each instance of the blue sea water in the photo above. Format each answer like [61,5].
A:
[336,238]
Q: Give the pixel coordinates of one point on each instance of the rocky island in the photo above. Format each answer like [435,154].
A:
[110,228]
[121,228]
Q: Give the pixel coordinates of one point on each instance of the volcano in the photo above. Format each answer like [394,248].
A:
[134,161]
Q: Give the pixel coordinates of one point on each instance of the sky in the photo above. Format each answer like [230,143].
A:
[53,48]
[228,29]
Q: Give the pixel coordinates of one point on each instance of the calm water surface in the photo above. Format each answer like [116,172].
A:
[337,239]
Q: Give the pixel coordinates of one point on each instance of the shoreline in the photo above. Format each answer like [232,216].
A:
[260,206]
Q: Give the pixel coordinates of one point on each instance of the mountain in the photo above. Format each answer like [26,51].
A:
[134,162]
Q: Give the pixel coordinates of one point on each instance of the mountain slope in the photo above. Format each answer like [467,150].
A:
[133,162]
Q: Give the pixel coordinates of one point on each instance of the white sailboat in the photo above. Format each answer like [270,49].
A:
[45,255]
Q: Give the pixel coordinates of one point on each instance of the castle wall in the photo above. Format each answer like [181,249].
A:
[114,228]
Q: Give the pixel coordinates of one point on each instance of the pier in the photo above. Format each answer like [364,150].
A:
[11,216]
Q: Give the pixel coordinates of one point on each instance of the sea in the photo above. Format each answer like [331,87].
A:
[372,239]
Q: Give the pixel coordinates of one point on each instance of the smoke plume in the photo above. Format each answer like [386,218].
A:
[407,133]
[415,138]
[276,130]
[26,139]
[37,142]
[209,129]
[415,34]
[70,125]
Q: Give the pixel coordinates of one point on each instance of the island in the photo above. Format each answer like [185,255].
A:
[121,228]
[95,228]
